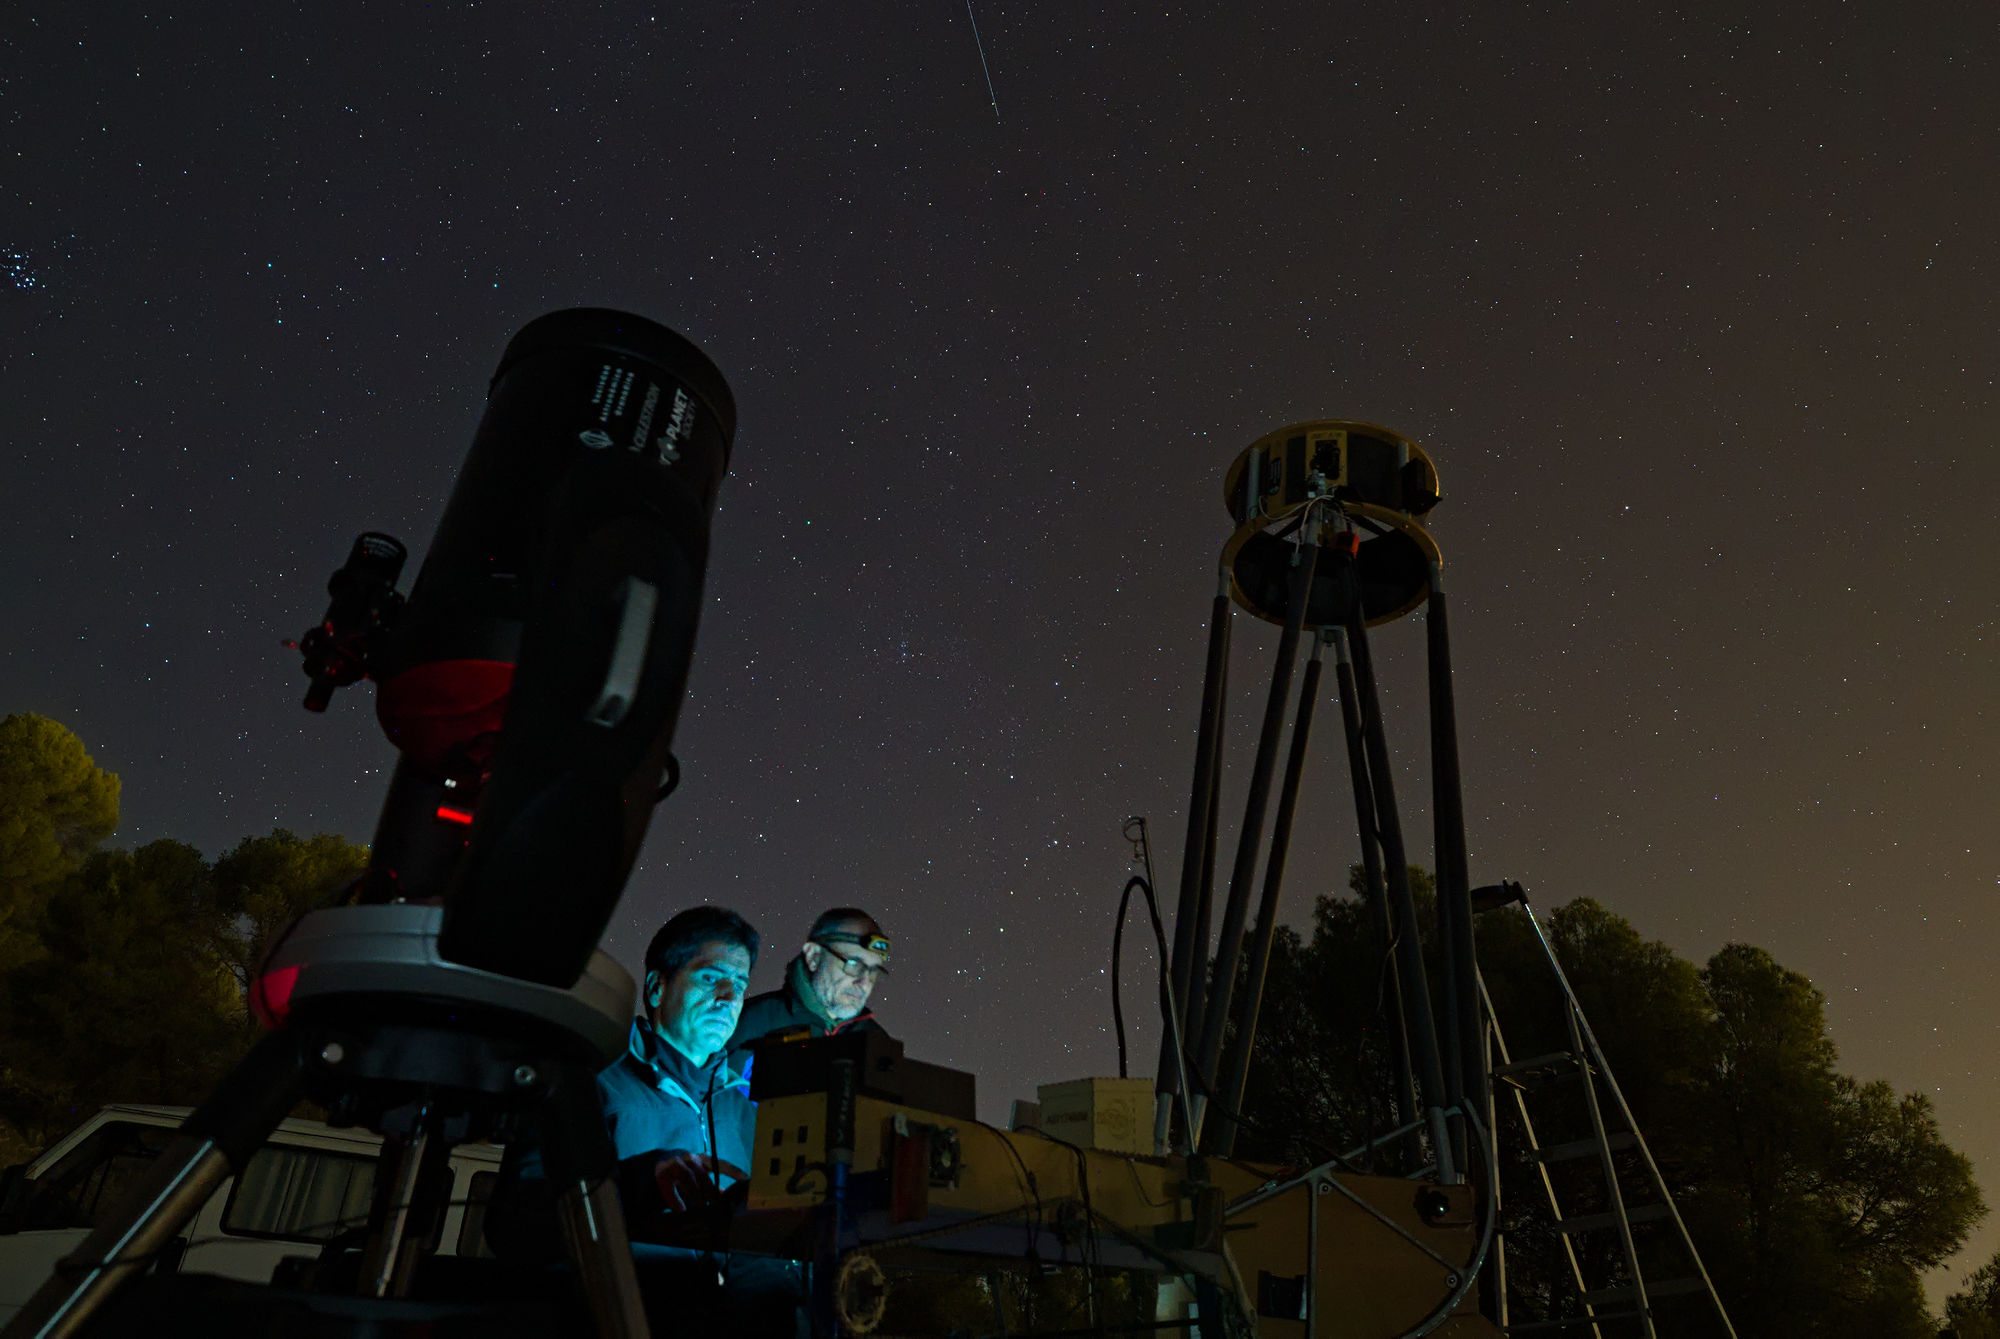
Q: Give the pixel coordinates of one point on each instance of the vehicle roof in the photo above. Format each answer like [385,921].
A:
[312,1132]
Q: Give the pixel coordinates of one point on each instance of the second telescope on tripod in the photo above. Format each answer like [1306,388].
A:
[1328,542]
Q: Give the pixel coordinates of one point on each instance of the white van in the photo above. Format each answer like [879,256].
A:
[309,1184]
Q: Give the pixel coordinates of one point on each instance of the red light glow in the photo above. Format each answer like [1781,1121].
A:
[271,996]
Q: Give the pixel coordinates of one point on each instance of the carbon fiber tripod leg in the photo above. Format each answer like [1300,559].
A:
[583,1164]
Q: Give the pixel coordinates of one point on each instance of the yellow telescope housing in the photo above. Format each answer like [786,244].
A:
[1380,481]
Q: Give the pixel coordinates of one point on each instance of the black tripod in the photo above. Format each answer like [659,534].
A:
[386,1034]
[531,685]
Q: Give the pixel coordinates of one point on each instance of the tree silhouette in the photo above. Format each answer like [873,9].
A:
[1816,1200]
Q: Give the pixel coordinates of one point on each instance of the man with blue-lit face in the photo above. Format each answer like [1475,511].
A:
[680,1117]
[696,1008]
[681,1120]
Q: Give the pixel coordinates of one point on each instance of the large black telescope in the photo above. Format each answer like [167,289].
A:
[533,680]
[530,683]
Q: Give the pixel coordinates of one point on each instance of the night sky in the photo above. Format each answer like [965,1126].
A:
[1694,307]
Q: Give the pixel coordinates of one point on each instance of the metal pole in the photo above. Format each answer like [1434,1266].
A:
[394,1198]
[1229,946]
[1199,985]
[840,1099]
[1625,1113]
[1373,889]
[1198,970]
[1454,883]
[1447,820]
[582,1160]
[1495,1282]
[1236,1071]
[1409,950]
[1541,1166]
[1190,954]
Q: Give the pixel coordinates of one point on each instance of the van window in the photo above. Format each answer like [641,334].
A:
[300,1194]
[82,1189]
[472,1231]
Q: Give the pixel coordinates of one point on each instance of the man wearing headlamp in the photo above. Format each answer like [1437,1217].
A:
[826,985]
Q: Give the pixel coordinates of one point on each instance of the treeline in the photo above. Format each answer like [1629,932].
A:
[1817,1200]
[122,973]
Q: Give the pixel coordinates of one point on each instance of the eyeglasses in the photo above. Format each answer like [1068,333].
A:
[854,968]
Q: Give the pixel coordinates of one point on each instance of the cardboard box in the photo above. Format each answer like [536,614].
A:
[1115,1115]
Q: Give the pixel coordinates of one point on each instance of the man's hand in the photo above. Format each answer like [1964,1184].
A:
[690,1180]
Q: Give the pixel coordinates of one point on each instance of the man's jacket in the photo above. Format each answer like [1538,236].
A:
[793,1008]
[653,1105]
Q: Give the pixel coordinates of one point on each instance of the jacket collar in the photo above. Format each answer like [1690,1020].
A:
[798,984]
[646,1049]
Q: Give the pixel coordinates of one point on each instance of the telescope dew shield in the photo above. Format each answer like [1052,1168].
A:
[544,651]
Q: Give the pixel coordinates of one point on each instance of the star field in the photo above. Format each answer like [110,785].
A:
[1693,307]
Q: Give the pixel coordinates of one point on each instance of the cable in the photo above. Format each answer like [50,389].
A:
[1142,851]
[1470,1274]
[718,1253]
[1025,1179]
[1091,1256]
[1134,832]
[1117,941]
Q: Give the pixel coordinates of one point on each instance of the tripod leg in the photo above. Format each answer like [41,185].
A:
[409,1207]
[1250,1000]
[1418,1019]
[1376,891]
[583,1164]
[214,1143]
[1229,947]
[1189,965]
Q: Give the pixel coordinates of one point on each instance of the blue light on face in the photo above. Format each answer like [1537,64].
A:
[702,1002]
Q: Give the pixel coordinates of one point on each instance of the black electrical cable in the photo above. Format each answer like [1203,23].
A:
[1090,1254]
[1190,1065]
[1117,943]
[721,1248]
[1026,1180]
[1176,1042]
[1142,850]
[1469,1275]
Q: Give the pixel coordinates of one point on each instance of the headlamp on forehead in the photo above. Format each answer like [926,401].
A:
[874,943]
